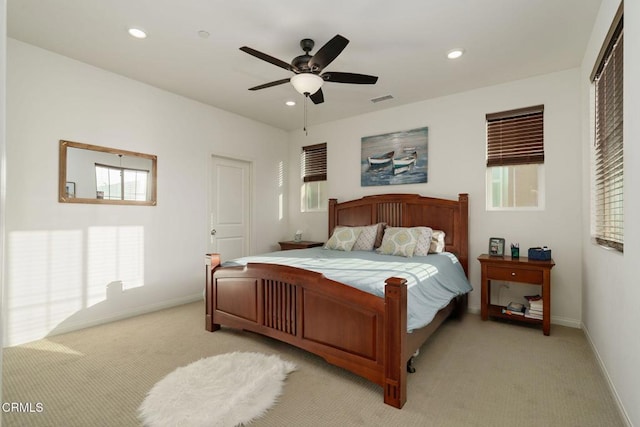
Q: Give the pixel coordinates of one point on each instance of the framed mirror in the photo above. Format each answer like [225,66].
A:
[102,175]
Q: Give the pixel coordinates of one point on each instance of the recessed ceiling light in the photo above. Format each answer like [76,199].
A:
[455,53]
[290,103]
[137,33]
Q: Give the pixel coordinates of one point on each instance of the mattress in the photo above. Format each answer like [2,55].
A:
[432,280]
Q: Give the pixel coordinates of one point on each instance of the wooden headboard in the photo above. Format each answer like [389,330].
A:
[410,210]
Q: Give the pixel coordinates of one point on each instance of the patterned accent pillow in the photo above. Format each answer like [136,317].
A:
[437,242]
[398,241]
[423,237]
[367,238]
[343,238]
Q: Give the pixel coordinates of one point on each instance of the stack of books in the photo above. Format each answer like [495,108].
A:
[514,308]
[534,311]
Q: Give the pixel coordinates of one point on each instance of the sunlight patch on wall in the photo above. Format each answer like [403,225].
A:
[114,254]
[44,282]
[54,274]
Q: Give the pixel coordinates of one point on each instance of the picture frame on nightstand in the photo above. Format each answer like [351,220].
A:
[496,246]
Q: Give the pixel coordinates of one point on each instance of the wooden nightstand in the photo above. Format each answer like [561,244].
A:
[302,244]
[517,270]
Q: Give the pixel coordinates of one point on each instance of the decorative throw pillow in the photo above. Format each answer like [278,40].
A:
[366,239]
[423,237]
[343,238]
[399,241]
[437,242]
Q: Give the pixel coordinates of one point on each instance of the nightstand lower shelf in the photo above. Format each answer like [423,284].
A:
[496,311]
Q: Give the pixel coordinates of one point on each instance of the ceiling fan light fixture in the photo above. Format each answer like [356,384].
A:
[307,83]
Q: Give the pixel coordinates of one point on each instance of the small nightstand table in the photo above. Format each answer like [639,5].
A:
[518,270]
[302,244]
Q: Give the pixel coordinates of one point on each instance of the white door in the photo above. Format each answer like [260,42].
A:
[230,212]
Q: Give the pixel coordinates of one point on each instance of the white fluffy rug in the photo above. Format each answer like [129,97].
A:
[225,390]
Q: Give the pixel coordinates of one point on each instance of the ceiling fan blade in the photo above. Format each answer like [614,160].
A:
[270,59]
[359,79]
[270,84]
[328,53]
[318,97]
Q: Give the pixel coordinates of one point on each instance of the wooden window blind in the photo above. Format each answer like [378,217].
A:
[314,162]
[608,144]
[515,137]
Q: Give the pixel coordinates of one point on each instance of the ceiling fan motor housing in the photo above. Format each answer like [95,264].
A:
[301,63]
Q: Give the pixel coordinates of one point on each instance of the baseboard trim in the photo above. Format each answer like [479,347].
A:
[563,321]
[137,311]
[603,369]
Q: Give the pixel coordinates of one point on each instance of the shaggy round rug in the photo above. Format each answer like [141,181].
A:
[225,390]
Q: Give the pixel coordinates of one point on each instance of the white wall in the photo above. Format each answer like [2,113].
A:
[457,147]
[3,57]
[61,257]
[611,293]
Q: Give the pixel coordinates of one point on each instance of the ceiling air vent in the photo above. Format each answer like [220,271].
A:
[381,98]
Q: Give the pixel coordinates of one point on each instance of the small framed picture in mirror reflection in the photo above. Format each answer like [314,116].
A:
[71,189]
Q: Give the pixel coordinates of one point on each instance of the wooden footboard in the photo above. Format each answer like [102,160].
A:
[347,327]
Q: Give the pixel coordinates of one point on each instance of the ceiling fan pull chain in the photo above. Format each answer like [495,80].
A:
[306,98]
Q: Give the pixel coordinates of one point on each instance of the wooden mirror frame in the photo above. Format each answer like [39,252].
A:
[62,192]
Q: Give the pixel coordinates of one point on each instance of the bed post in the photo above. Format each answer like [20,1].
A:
[463,199]
[332,215]
[212,261]
[395,340]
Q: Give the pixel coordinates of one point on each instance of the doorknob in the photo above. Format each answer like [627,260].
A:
[213,232]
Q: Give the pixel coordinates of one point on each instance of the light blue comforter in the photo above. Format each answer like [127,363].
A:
[432,281]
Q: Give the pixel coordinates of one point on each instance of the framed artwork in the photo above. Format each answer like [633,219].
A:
[496,246]
[395,158]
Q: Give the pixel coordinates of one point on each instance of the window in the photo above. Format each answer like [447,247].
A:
[115,183]
[608,171]
[515,159]
[313,164]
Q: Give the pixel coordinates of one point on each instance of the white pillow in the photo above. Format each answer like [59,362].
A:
[423,237]
[343,238]
[367,238]
[437,242]
[399,241]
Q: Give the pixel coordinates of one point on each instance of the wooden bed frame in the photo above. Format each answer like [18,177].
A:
[355,330]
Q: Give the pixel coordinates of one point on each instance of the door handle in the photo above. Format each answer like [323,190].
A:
[213,232]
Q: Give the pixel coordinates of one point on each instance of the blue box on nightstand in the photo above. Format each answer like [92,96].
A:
[540,254]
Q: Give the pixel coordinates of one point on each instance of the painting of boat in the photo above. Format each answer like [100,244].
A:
[404,163]
[395,158]
[381,160]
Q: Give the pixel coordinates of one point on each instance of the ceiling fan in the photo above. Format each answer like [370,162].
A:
[308,79]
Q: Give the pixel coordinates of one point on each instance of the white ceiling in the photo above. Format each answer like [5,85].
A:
[404,42]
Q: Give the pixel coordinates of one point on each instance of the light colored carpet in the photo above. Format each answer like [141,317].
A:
[470,373]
